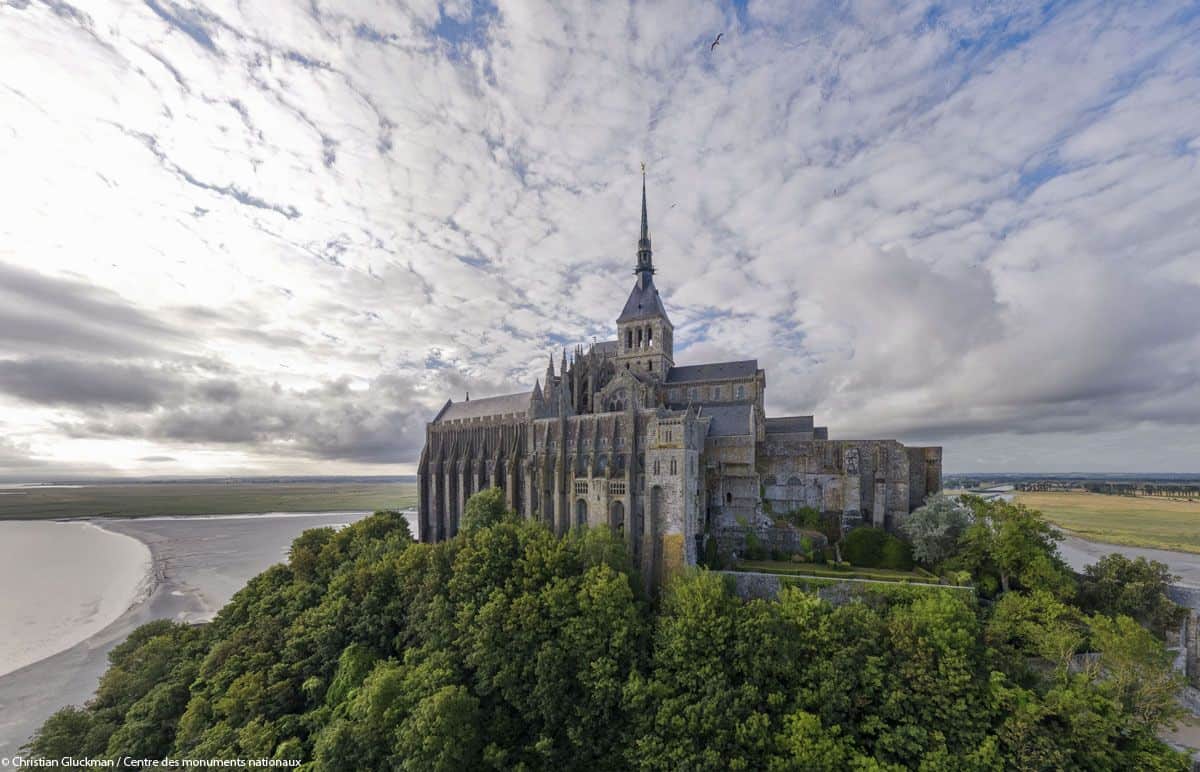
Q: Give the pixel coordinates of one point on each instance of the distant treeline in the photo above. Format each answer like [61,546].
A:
[1174,491]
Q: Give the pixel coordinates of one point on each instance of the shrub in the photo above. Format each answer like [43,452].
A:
[805,517]
[876,548]
[864,546]
[896,555]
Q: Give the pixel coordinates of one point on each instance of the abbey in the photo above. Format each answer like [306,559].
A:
[666,454]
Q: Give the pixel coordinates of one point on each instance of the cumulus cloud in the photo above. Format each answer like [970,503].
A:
[289,231]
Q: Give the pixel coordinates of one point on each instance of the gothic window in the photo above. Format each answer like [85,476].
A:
[741,392]
[650,365]
[649,336]
[628,340]
[656,470]
[639,338]
[673,470]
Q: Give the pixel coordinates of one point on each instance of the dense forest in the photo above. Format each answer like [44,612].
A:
[510,648]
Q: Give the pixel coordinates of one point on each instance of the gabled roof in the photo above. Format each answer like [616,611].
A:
[728,420]
[488,406]
[643,303]
[745,368]
[790,424]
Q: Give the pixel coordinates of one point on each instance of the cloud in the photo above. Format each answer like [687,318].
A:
[294,230]
[380,422]
[80,384]
[40,313]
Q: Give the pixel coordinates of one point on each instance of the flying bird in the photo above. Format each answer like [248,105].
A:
[716,42]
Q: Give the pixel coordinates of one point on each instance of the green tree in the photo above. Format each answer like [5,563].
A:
[486,508]
[1116,585]
[1136,670]
[934,528]
[1010,546]
[507,647]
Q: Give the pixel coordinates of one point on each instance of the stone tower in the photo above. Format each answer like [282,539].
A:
[645,336]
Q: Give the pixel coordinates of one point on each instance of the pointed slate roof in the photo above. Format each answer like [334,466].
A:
[643,303]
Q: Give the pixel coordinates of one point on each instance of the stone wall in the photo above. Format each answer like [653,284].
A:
[731,540]
[1189,642]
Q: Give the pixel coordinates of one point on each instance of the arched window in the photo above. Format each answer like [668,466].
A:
[728,498]
[650,365]
[616,516]
[628,338]
[639,337]
[581,515]
[673,469]
[649,336]
[656,466]
[741,392]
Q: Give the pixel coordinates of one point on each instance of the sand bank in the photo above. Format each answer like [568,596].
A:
[198,564]
[63,582]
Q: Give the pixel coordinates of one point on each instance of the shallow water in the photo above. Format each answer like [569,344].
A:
[62,582]
[198,564]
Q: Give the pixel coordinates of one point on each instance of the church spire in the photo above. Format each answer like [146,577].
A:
[645,261]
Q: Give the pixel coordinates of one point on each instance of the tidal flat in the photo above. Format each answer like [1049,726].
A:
[197,564]
[203,497]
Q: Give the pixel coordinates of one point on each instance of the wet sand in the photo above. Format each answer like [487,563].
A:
[1081,552]
[198,564]
[62,583]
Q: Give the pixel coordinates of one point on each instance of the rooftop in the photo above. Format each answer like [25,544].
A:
[794,424]
[728,420]
[643,303]
[745,368]
[488,406]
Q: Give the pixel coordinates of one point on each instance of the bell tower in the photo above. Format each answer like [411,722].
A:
[645,336]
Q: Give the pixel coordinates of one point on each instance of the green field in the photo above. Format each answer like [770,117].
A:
[1137,521]
[788,568]
[203,498]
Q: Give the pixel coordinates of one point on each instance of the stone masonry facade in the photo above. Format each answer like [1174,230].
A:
[666,455]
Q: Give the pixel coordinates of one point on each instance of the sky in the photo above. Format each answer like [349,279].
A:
[273,238]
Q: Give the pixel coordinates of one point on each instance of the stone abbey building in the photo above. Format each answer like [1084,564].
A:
[666,454]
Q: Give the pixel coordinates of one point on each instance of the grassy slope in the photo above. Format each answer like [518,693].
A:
[813,569]
[146,500]
[1136,521]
